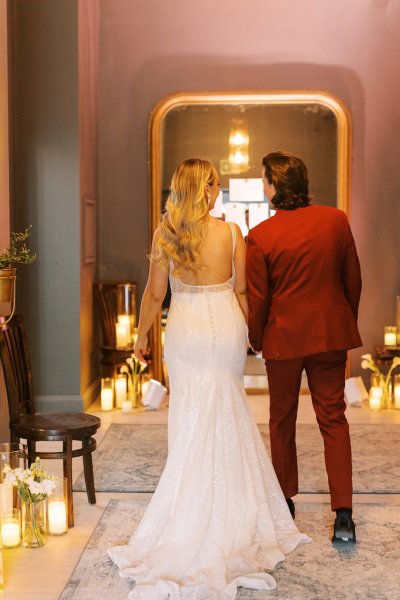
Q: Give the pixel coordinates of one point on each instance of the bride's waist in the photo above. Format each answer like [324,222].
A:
[200,295]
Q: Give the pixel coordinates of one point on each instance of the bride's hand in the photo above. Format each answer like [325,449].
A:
[141,347]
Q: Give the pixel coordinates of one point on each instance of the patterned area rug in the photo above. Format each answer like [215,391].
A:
[131,458]
[316,571]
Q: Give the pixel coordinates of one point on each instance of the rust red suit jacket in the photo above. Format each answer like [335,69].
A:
[304,283]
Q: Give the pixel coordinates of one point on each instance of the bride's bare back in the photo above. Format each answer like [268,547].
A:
[215,256]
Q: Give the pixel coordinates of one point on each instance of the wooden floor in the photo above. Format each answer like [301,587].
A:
[41,574]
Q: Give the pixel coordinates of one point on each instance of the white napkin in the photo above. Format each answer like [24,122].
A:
[355,391]
[154,395]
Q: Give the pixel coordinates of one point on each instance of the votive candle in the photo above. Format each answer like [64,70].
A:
[126,406]
[390,335]
[10,528]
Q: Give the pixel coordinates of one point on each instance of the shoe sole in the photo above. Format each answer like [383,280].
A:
[344,536]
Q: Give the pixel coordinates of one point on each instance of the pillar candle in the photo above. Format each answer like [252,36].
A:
[397,391]
[375,397]
[107,399]
[122,335]
[57,517]
[126,320]
[120,391]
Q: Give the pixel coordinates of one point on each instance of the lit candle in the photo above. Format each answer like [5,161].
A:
[57,517]
[397,391]
[390,335]
[126,406]
[120,391]
[127,321]
[10,534]
[375,397]
[122,331]
[106,399]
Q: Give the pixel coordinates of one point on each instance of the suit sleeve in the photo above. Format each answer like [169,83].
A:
[351,272]
[258,291]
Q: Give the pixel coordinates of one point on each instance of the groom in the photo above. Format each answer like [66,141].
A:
[304,286]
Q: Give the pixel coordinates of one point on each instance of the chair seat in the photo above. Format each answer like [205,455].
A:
[77,425]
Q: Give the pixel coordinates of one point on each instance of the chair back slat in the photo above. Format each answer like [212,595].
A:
[14,356]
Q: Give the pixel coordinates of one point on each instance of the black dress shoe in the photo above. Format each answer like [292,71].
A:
[344,529]
[291,507]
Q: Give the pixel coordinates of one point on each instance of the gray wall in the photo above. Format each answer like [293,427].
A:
[351,49]
[46,182]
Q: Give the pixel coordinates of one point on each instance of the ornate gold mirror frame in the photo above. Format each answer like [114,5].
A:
[155,139]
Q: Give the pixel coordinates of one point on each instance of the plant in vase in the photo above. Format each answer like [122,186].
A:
[134,369]
[368,362]
[34,485]
[17,253]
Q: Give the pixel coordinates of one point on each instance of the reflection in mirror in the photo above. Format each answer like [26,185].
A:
[234,131]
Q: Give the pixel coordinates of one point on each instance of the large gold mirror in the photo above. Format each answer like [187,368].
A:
[235,130]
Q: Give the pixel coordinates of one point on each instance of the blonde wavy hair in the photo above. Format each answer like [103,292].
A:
[183,223]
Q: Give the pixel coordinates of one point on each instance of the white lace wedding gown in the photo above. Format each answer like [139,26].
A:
[217,519]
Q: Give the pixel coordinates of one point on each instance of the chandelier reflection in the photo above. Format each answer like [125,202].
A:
[238,146]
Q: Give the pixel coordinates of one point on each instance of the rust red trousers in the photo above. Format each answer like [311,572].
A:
[326,377]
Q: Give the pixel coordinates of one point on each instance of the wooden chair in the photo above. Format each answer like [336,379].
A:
[27,424]
[112,358]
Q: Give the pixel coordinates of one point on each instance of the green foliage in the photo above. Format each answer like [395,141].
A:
[18,252]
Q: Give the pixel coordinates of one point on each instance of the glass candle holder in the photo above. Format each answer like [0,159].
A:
[375,393]
[398,319]
[390,335]
[126,302]
[14,456]
[1,573]
[121,390]
[57,522]
[107,393]
[10,523]
[396,391]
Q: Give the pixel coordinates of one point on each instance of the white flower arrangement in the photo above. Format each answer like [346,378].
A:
[33,484]
[133,369]
[367,362]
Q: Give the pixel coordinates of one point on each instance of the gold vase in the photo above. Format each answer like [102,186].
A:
[7,284]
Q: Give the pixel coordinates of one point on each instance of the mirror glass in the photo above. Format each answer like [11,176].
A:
[234,131]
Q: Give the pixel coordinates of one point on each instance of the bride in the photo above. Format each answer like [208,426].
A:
[218,519]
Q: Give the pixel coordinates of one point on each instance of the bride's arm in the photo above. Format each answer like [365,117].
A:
[153,297]
[240,273]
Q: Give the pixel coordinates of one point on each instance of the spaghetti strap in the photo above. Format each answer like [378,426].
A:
[233,231]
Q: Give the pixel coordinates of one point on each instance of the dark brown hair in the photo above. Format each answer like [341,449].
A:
[289,176]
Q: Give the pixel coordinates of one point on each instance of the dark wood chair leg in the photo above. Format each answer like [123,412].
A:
[67,469]
[88,471]
[31,451]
